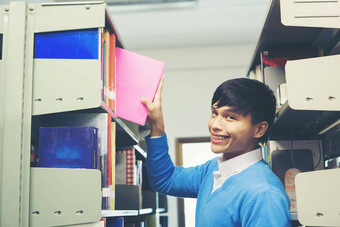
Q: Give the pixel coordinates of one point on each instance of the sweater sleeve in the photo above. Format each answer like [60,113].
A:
[166,178]
[267,208]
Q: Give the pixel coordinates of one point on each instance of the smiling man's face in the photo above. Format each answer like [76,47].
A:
[231,133]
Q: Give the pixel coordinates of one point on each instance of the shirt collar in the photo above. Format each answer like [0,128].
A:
[239,163]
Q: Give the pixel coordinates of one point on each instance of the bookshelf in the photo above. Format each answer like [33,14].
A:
[309,37]
[31,88]
[279,40]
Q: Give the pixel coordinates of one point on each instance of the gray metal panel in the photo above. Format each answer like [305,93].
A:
[27,113]
[14,123]
[321,13]
[56,17]
[64,196]
[2,14]
[66,84]
[317,197]
[319,78]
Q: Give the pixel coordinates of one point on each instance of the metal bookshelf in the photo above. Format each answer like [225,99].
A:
[309,30]
[30,87]
[307,37]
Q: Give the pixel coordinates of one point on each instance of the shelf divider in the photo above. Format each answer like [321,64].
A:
[60,196]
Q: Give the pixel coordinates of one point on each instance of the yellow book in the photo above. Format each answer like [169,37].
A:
[113,164]
[107,64]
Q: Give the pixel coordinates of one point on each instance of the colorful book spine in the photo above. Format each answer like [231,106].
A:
[125,171]
[107,65]
[138,172]
[130,166]
[102,60]
[104,69]
[113,164]
[112,73]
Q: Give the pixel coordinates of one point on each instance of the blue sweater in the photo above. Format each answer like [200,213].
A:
[253,197]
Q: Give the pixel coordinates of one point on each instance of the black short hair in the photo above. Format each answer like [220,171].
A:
[247,96]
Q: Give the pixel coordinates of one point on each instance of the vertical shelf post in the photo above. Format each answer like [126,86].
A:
[15,119]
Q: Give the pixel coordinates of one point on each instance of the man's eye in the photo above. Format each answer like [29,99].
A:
[213,113]
[230,117]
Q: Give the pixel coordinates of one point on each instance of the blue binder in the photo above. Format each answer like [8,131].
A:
[68,147]
[73,44]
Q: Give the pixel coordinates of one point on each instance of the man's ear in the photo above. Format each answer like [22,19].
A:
[260,129]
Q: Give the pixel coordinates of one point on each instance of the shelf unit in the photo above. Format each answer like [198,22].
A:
[279,40]
[32,87]
[293,30]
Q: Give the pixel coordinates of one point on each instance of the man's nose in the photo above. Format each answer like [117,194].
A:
[217,123]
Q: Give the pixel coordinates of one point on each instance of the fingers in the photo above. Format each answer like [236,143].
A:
[159,89]
[146,102]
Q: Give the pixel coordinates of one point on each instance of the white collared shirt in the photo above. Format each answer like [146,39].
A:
[235,165]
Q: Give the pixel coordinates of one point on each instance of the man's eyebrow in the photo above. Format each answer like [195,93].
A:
[229,111]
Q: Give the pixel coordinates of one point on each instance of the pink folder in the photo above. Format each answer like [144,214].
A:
[137,76]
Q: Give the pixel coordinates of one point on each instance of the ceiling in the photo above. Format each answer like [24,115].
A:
[190,24]
[180,23]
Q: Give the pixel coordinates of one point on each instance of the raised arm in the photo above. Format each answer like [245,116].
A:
[155,113]
[163,175]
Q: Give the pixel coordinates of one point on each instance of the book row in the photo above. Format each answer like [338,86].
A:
[124,76]
[85,140]
[126,222]
[271,71]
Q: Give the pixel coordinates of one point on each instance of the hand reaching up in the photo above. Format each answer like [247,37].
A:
[155,114]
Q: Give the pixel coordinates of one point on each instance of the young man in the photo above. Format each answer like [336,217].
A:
[238,188]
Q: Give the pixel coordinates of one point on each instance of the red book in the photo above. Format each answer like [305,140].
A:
[127,161]
[112,73]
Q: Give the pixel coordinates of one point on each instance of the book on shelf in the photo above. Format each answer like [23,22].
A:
[102,61]
[137,76]
[68,147]
[104,64]
[98,120]
[125,76]
[112,161]
[128,169]
[125,166]
[107,57]
[115,222]
[72,44]
[109,69]
[112,72]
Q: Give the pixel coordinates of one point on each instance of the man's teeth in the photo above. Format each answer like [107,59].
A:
[220,137]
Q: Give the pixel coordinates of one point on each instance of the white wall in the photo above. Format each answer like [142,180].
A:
[191,77]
